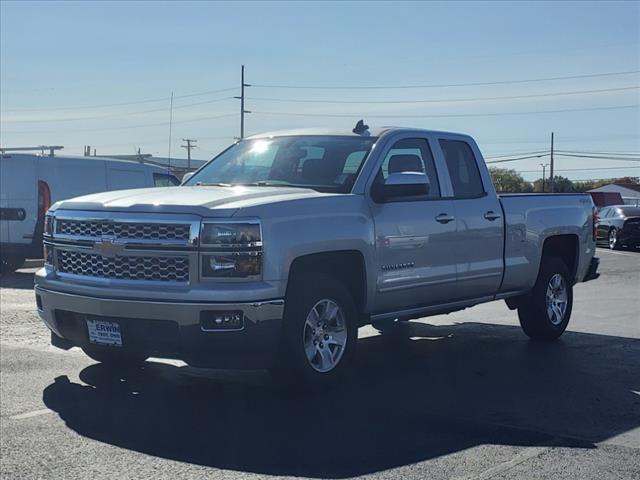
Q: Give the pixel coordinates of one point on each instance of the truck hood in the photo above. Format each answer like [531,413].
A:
[199,200]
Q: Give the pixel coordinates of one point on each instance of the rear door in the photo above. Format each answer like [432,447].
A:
[415,264]
[479,242]
[18,198]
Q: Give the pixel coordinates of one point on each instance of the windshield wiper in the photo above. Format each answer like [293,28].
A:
[261,183]
[264,183]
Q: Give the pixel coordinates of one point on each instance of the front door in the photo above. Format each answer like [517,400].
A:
[414,235]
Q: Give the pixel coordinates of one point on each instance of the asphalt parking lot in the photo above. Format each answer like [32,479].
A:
[461,396]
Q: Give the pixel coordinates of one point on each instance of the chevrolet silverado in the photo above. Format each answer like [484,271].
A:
[275,252]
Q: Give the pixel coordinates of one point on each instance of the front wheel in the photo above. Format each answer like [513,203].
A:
[319,333]
[545,313]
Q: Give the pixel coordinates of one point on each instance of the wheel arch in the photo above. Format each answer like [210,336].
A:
[347,265]
[566,248]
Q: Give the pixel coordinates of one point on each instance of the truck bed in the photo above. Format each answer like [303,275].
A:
[532,217]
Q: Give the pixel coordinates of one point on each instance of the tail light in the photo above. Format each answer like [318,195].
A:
[44,199]
[594,217]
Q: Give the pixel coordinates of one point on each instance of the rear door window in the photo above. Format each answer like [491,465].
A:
[463,169]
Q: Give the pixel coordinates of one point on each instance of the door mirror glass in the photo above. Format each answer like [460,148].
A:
[402,184]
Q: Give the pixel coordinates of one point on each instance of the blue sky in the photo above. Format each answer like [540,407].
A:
[57,59]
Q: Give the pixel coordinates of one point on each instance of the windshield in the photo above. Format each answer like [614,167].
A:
[325,163]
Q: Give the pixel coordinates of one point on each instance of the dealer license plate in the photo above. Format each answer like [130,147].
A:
[103,332]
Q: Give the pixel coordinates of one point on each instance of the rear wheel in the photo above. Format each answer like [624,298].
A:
[544,314]
[115,359]
[613,239]
[10,264]
[319,333]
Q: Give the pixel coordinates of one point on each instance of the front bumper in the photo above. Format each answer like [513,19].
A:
[168,329]
[628,237]
[592,272]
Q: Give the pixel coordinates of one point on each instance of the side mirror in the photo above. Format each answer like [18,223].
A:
[403,184]
[186,177]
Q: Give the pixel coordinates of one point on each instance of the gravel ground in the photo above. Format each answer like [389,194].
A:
[462,396]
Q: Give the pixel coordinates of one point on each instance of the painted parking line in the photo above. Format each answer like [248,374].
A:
[33,413]
[622,254]
[528,454]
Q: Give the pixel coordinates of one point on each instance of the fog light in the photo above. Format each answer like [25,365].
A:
[39,302]
[221,320]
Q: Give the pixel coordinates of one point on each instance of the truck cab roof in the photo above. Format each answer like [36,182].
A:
[370,132]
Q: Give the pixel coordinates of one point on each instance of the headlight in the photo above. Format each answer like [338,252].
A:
[47,251]
[48,225]
[231,234]
[231,249]
[232,265]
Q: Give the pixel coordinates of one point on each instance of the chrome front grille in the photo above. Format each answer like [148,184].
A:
[123,230]
[131,247]
[150,268]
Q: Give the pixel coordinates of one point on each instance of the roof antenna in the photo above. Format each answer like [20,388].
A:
[360,128]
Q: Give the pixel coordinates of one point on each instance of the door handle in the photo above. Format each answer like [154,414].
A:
[491,215]
[445,218]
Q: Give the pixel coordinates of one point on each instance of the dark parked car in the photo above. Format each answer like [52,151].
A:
[619,225]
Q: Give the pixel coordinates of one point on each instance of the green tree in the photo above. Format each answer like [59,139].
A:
[506,180]
[561,185]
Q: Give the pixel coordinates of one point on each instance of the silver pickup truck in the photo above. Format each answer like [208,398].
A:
[276,251]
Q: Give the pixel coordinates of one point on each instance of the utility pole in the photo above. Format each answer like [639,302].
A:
[544,168]
[241,98]
[170,125]
[189,146]
[551,179]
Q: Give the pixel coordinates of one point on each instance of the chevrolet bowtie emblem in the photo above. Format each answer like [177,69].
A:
[108,248]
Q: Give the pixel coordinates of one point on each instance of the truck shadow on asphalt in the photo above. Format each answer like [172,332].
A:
[20,280]
[444,390]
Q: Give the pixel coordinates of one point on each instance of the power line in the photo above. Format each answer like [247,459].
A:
[623,154]
[612,155]
[572,139]
[625,159]
[514,154]
[449,100]
[115,115]
[519,158]
[579,169]
[471,84]
[455,115]
[162,124]
[137,102]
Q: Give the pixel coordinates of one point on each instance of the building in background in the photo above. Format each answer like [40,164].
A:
[630,192]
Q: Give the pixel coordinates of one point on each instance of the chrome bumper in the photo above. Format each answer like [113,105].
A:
[253,346]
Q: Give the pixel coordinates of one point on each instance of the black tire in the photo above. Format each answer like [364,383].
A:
[533,312]
[293,368]
[612,239]
[10,264]
[115,359]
